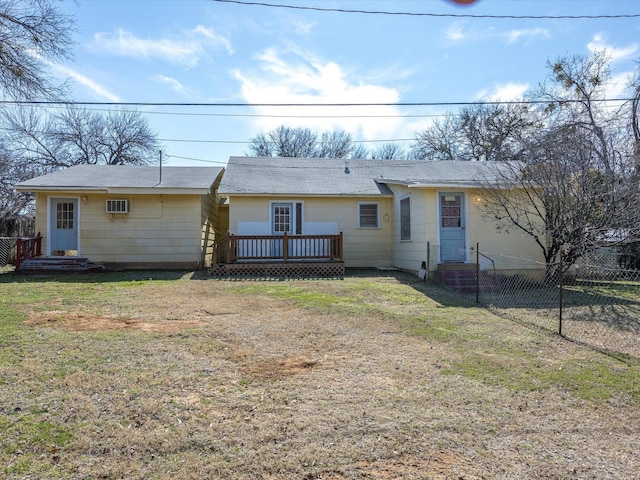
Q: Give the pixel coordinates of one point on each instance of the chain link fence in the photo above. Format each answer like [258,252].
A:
[595,302]
[7,250]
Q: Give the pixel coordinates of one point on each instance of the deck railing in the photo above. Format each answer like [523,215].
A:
[28,248]
[237,248]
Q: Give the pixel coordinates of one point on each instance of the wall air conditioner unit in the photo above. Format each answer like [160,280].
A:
[117,206]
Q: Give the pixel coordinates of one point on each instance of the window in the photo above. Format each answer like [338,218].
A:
[368,215]
[405,218]
[451,211]
[282,218]
[64,216]
[298,218]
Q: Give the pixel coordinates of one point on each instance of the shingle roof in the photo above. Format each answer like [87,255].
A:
[112,177]
[323,176]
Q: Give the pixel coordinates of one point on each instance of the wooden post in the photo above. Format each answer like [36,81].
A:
[340,245]
[230,246]
[18,253]
[285,247]
[38,251]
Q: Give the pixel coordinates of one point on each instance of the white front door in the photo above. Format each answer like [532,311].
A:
[63,221]
[452,228]
[282,222]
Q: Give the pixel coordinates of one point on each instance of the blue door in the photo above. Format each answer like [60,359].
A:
[64,224]
[452,229]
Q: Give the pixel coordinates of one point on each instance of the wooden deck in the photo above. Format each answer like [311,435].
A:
[278,256]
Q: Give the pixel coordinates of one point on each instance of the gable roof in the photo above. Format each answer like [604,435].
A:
[327,176]
[125,179]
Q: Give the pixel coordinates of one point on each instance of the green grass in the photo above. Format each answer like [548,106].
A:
[506,363]
[189,396]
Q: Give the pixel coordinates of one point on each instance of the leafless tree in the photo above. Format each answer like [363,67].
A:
[32,34]
[12,203]
[302,142]
[389,151]
[77,136]
[480,132]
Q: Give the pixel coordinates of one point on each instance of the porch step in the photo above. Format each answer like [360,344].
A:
[59,264]
[458,277]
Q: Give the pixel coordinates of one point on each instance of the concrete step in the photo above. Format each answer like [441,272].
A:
[59,264]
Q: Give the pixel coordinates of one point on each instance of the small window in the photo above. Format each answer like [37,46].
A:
[298,218]
[368,215]
[405,218]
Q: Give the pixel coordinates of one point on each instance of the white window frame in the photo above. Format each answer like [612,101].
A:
[369,227]
[403,199]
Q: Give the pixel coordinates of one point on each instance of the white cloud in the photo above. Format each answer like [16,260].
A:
[306,79]
[455,33]
[504,92]
[527,34]
[186,51]
[175,85]
[302,27]
[599,44]
[92,85]
[617,86]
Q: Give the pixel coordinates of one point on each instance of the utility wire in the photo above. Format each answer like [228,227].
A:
[421,14]
[305,105]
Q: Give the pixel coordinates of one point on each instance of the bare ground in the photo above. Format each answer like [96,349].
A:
[196,379]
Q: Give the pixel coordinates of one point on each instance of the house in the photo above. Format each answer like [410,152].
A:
[388,213]
[126,216]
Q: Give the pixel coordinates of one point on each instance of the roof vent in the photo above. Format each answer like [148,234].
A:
[346,165]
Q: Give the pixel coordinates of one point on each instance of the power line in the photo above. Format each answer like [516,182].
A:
[422,14]
[302,105]
[244,142]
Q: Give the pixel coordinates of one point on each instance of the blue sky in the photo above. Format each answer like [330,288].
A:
[204,52]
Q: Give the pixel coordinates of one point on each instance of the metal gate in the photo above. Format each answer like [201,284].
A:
[7,250]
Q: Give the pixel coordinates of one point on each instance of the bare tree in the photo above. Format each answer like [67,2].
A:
[79,136]
[560,196]
[302,142]
[12,203]
[574,92]
[389,151]
[480,132]
[32,34]
[442,141]
[335,144]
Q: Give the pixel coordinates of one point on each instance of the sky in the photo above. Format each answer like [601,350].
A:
[224,69]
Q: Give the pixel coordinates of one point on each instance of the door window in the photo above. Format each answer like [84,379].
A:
[451,211]
[64,216]
[282,219]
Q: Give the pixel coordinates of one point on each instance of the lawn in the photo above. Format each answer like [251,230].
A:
[165,375]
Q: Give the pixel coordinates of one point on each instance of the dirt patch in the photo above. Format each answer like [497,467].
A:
[274,368]
[83,322]
[442,465]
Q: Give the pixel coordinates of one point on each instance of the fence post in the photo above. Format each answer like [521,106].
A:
[18,253]
[426,277]
[560,299]
[477,272]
